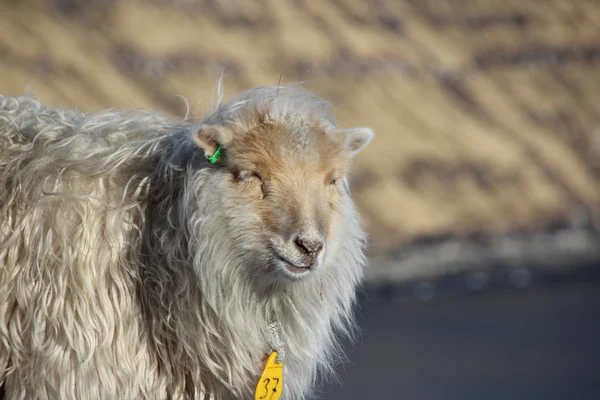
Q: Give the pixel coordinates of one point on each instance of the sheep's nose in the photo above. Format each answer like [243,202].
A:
[309,245]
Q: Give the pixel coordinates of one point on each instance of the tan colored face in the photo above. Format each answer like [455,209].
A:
[292,184]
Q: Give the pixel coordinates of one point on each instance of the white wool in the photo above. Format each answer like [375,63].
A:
[120,267]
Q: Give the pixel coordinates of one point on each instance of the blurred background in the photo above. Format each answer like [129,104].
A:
[480,192]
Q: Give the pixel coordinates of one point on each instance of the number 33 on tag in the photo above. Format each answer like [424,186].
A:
[271,381]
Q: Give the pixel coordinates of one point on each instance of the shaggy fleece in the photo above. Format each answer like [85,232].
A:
[124,273]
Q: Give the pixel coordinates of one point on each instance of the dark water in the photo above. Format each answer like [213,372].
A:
[537,343]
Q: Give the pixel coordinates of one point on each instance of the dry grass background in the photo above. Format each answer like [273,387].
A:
[487,113]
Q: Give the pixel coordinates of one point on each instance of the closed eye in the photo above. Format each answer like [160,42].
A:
[249,176]
[252,178]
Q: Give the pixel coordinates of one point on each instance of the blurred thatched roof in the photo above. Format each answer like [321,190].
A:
[487,113]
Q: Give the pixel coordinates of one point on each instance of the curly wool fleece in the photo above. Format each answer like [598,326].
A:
[121,276]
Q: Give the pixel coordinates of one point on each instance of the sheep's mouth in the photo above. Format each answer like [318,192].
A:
[297,269]
[293,267]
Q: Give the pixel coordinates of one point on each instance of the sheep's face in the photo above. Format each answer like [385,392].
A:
[287,193]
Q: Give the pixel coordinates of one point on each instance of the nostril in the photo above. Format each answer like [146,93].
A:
[300,244]
[312,247]
[317,248]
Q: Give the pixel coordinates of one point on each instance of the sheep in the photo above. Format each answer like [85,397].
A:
[148,257]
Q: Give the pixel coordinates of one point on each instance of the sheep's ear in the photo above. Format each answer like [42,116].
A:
[210,138]
[356,139]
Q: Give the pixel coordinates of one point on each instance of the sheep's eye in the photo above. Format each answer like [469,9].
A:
[249,177]
[334,181]
[252,178]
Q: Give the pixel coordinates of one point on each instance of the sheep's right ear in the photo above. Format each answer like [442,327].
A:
[211,138]
[356,139]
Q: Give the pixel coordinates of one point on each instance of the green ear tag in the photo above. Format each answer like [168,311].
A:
[216,155]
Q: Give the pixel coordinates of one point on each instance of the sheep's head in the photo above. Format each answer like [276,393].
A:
[284,188]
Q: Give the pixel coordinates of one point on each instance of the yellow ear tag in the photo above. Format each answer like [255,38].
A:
[270,384]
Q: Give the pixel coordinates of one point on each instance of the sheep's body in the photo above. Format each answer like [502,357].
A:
[118,271]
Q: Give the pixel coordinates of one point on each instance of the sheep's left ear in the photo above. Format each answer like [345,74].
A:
[355,139]
[212,139]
